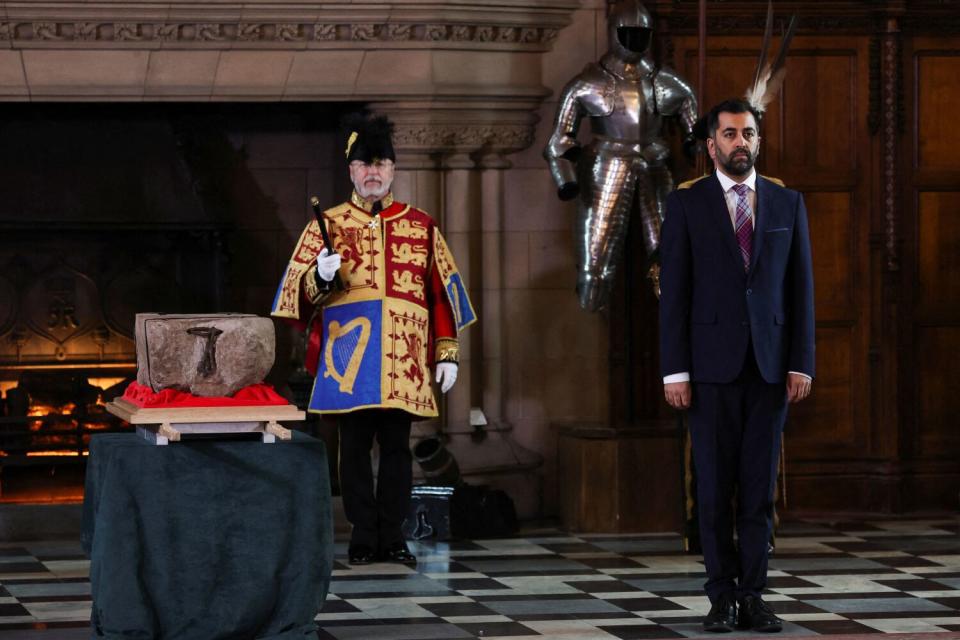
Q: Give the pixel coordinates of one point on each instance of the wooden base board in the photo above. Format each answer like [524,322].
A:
[163,434]
[162,426]
[828,491]
[620,480]
[265,413]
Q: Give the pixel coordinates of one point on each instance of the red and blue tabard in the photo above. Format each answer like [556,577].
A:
[403,305]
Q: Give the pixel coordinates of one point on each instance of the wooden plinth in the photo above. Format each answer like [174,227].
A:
[162,426]
[620,480]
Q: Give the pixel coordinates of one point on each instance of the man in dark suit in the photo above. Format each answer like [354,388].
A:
[737,344]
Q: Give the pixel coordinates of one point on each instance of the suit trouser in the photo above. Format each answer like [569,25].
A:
[376,517]
[736,430]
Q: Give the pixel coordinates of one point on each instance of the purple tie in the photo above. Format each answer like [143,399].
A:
[743,224]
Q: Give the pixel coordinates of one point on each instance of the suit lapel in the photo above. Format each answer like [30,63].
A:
[761,219]
[717,206]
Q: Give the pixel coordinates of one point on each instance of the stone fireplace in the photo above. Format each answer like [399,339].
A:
[99,220]
[462,82]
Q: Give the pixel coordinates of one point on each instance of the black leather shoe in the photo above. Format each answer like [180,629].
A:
[756,615]
[361,554]
[397,552]
[723,615]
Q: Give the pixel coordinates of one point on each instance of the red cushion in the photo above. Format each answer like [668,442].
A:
[250,396]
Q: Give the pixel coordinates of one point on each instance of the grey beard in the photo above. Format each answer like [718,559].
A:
[376,192]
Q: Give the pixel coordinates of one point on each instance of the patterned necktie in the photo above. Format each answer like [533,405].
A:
[743,224]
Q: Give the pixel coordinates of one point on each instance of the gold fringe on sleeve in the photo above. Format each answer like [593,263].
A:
[315,294]
[447,350]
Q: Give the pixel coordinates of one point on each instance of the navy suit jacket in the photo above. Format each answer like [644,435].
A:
[710,308]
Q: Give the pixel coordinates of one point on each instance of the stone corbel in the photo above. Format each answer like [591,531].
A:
[448,132]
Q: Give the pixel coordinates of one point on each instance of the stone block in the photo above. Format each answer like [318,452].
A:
[490,68]
[576,46]
[205,354]
[181,73]
[12,81]
[553,264]
[85,73]
[252,73]
[406,71]
[324,73]
[532,202]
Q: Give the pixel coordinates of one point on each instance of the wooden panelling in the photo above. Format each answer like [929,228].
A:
[938,403]
[819,114]
[929,352]
[732,63]
[831,237]
[938,94]
[865,130]
[933,212]
[618,480]
[938,259]
[822,426]
[811,133]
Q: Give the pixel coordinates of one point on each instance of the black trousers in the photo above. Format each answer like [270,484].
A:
[736,430]
[376,516]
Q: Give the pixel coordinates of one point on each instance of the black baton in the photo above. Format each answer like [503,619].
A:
[321,221]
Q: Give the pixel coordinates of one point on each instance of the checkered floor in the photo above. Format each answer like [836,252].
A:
[825,579]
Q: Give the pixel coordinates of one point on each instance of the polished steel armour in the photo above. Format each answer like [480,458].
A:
[624,166]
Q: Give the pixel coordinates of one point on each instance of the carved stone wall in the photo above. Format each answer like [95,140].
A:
[462,82]
[143,50]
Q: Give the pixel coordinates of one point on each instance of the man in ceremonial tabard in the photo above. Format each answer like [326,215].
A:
[372,344]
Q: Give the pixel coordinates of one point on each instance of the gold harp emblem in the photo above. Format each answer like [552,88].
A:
[348,346]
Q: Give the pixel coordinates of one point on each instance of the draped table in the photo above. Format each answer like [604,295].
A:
[207,540]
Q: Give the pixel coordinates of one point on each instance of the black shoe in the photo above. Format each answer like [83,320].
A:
[723,615]
[361,554]
[756,615]
[397,552]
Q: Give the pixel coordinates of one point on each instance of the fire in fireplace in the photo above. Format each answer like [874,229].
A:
[54,414]
[110,210]
[48,419]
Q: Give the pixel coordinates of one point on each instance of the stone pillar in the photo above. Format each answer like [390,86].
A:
[492,167]
[418,181]
[454,157]
[460,201]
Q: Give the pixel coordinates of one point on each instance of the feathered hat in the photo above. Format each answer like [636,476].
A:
[368,139]
[767,79]
[769,76]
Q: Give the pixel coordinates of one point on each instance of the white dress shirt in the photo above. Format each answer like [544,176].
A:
[731,196]
[727,184]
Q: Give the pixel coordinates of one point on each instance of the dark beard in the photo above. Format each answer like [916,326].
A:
[740,166]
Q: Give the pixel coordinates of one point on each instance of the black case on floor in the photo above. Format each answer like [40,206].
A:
[467,511]
[428,517]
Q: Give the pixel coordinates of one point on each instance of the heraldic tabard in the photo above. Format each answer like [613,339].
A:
[369,343]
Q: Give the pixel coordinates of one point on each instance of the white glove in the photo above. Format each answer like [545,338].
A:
[327,264]
[446,375]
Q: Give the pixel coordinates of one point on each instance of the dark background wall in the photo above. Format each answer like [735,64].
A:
[112,190]
[866,129]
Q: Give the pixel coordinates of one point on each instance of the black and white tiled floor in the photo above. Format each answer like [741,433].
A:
[898,576]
